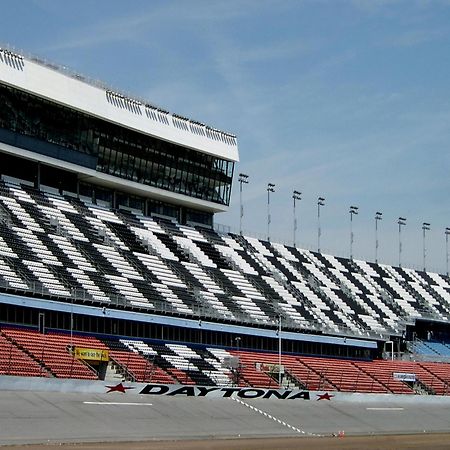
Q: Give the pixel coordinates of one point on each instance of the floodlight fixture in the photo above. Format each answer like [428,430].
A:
[296,195]
[401,222]
[378,216]
[270,188]
[320,202]
[425,227]
[352,211]
[243,179]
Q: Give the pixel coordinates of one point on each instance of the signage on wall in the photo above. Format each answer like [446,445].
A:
[91,354]
[402,376]
[224,392]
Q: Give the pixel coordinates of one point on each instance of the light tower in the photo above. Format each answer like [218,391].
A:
[270,188]
[320,202]
[378,217]
[425,227]
[243,179]
[401,222]
[352,211]
[296,195]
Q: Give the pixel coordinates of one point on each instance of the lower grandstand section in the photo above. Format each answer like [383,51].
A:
[26,352]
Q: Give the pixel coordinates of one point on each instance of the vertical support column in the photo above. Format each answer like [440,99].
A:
[37,183]
[41,323]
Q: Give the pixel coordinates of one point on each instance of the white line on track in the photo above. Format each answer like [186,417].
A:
[385,409]
[118,403]
[298,430]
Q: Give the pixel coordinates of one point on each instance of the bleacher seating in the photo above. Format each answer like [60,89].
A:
[419,347]
[134,365]
[14,361]
[25,352]
[431,348]
[62,246]
[382,372]
[343,375]
[51,351]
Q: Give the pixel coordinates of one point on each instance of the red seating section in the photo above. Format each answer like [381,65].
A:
[387,368]
[344,375]
[14,361]
[51,350]
[140,368]
[295,367]
[249,375]
[442,372]
[382,371]
[180,376]
[26,352]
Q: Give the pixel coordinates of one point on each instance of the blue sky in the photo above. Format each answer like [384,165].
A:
[348,100]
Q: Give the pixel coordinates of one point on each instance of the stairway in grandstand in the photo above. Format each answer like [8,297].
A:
[64,247]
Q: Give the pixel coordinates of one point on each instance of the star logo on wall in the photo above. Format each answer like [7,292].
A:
[118,388]
[325,396]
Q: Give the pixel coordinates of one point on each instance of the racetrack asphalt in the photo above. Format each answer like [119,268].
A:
[62,418]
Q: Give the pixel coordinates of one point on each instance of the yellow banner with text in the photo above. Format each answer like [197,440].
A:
[91,354]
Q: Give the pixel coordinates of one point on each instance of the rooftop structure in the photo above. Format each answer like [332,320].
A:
[107,139]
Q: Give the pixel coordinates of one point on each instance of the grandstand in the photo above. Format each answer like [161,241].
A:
[107,242]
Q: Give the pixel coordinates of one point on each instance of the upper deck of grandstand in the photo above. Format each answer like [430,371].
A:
[63,120]
[57,83]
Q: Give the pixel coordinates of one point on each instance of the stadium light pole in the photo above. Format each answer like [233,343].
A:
[378,217]
[243,179]
[353,210]
[447,232]
[270,188]
[401,222]
[320,202]
[296,195]
[425,227]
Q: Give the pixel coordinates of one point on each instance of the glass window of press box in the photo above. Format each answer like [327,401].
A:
[118,151]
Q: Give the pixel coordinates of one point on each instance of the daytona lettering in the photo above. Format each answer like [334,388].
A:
[225,392]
